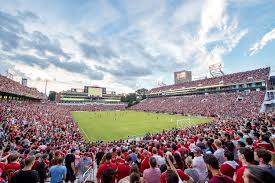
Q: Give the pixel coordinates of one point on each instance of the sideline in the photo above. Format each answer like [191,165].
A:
[85,134]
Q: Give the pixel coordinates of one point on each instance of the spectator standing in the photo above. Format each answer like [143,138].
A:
[213,166]
[108,175]
[192,172]
[13,166]
[264,157]
[105,165]
[41,168]
[199,164]
[26,174]
[145,163]
[99,155]
[83,165]
[123,169]
[152,175]
[70,165]
[229,167]
[219,153]
[58,172]
[246,156]
[256,174]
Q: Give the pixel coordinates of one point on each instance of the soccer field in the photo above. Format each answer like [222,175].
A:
[115,125]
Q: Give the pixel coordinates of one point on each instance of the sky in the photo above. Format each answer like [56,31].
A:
[124,45]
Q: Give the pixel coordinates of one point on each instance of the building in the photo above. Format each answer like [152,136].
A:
[89,94]
[24,82]
[272,83]
[182,76]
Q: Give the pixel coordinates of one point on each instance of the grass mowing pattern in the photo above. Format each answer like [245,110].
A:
[114,125]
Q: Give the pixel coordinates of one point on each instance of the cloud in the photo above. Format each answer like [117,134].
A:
[128,44]
[35,48]
[11,31]
[126,69]
[27,15]
[100,52]
[43,45]
[74,67]
[261,43]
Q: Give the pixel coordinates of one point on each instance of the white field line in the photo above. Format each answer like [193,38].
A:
[85,134]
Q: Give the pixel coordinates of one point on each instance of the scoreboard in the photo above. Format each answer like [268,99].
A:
[182,76]
[95,91]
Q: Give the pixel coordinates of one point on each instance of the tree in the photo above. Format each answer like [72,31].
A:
[52,96]
[141,93]
[130,98]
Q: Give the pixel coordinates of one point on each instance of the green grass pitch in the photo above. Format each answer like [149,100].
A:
[115,125]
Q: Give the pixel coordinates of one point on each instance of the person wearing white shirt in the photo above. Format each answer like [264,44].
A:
[219,153]
[199,164]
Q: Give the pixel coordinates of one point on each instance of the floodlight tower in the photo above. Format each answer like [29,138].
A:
[216,70]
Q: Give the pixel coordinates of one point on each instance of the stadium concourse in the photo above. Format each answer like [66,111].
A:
[40,142]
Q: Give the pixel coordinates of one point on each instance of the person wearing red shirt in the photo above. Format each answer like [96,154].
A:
[229,167]
[13,166]
[145,163]
[183,150]
[123,170]
[181,174]
[246,156]
[159,150]
[213,166]
[118,159]
[104,166]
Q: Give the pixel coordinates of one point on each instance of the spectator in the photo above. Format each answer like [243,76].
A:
[41,168]
[169,165]
[246,157]
[108,175]
[152,175]
[199,164]
[159,159]
[179,162]
[135,178]
[70,165]
[134,175]
[123,169]
[229,167]
[105,165]
[190,170]
[171,177]
[254,174]
[13,166]
[26,174]
[145,163]
[58,172]
[84,164]
[219,153]
[264,157]
[213,166]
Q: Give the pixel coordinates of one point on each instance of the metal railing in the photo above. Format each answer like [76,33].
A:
[89,175]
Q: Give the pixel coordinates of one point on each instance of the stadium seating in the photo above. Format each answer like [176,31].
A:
[241,77]
[48,132]
[223,104]
[10,86]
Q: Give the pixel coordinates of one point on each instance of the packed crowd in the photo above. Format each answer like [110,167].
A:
[221,104]
[11,86]
[240,77]
[42,140]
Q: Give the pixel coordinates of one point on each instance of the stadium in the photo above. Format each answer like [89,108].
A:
[217,129]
